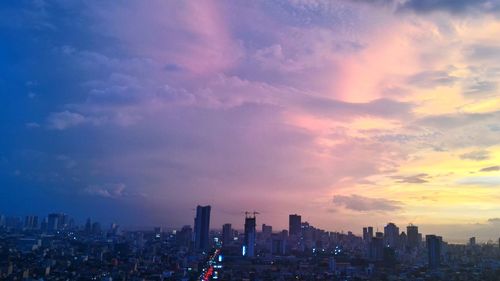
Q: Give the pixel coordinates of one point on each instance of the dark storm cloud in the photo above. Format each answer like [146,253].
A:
[365,204]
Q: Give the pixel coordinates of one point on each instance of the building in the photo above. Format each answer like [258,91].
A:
[294,225]
[367,234]
[183,237]
[57,221]
[278,244]
[31,222]
[53,222]
[227,234]
[202,228]
[391,235]
[267,230]
[434,244]
[413,237]
[248,249]
[376,249]
[472,241]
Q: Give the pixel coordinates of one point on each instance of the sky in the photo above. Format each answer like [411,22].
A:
[350,113]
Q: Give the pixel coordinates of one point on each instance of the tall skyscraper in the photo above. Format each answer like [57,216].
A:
[367,233]
[391,235]
[248,249]
[227,234]
[434,244]
[294,225]
[202,228]
[413,237]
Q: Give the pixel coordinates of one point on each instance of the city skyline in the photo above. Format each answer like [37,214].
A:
[349,113]
[390,230]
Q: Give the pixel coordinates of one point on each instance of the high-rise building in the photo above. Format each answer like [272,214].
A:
[267,230]
[31,222]
[202,228]
[183,237]
[434,244]
[391,235]
[248,249]
[413,237]
[53,221]
[376,249]
[472,241]
[96,228]
[57,221]
[403,240]
[294,225]
[278,244]
[88,226]
[367,233]
[227,234]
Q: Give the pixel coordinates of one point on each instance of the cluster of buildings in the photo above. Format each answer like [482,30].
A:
[55,248]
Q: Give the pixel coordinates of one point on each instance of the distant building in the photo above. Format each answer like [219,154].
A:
[183,237]
[403,240]
[367,234]
[414,239]
[31,222]
[472,241]
[294,225]
[391,235]
[267,230]
[248,249]
[434,244]
[278,244]
[227,234]
[376,249]
[57,221]
[13,222]
[202,228]
[88,226]
[96,228]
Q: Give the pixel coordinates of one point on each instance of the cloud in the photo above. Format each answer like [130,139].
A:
[64,120]
[366,204]
[490,169]
[494,220]
[112,190]
[32,125]
[419,178]
[450,6]
[478,155]
[487,181]
[385,108]
[431,79]
[481,87]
